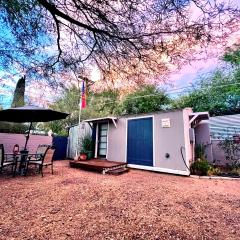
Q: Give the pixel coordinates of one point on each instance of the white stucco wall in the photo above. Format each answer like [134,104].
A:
[166,140]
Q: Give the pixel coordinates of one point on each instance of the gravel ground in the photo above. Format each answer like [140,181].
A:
[77,204]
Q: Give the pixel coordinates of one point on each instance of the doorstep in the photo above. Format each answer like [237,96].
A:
[215,177]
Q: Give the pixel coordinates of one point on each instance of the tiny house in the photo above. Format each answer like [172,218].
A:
[160,141]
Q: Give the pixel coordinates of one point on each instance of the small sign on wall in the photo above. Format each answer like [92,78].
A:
[166,123]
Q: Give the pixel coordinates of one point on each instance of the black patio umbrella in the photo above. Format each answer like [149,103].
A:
[30,114]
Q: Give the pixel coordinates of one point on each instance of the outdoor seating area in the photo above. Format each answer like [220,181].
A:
[19,162]
[7,160]
[120,120]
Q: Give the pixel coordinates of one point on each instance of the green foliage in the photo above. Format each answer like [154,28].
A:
[87,146]
[7,127]
[218,94]
[101,104]
[123,38]
[98,105]
[105,103]
[235,171]
[18,97]
[146,99]
[200,167]
[231,151]
[87,143]
[68,103]
[57,127]
[200,151]
[213,170]
[233,55]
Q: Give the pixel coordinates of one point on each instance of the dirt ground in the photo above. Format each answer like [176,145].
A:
[77,204]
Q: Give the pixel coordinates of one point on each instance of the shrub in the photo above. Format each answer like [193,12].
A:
[87,145]
[231,150]
[200,167]
[214,171]
[235,171]
[200,151]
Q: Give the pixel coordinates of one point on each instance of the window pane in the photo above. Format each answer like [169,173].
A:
[103,139]
[104,127]
[103,133]
[102,145]
[102,151]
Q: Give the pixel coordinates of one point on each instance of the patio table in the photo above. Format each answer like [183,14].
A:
[22,158]
[25,157]
[23,162]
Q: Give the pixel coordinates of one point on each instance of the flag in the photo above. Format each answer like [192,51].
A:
[84,101]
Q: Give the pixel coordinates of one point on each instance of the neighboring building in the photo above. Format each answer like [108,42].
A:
[74,140]
[159,141]
[214,130]
[223,127]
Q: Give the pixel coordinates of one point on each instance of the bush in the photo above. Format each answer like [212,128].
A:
[87,145]
[200,151]
[231,150]
[214,171]
[200,167]
[235,171]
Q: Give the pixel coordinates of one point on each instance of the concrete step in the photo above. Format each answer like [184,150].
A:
[118,171]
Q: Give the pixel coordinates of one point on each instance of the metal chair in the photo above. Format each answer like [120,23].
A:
[7,160]
[45,161]
[41,150]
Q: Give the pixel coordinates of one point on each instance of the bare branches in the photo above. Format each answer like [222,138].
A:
[58,39]
[125,39]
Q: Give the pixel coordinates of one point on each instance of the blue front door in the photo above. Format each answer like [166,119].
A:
[140,142]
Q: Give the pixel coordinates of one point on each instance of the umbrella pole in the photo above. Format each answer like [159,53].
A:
[79,128]
[27,137]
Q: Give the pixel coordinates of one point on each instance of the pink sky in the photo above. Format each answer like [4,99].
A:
[190,72]
[180,78]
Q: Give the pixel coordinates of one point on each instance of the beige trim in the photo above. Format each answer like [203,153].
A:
[96,142]
[107,140]
[158,169]
[187,144]
[197,115]
[100,119]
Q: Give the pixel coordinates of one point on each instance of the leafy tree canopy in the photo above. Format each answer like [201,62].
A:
[145,99]
[125,39]
[232,55]
[98,105]
[218,93]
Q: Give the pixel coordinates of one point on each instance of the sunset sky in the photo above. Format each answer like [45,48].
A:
[180,78]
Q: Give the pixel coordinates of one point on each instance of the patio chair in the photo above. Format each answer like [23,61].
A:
[7,160]
[41,150]
[45,161]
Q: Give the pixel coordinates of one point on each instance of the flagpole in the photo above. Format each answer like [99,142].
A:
[79,124]
[82,104]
